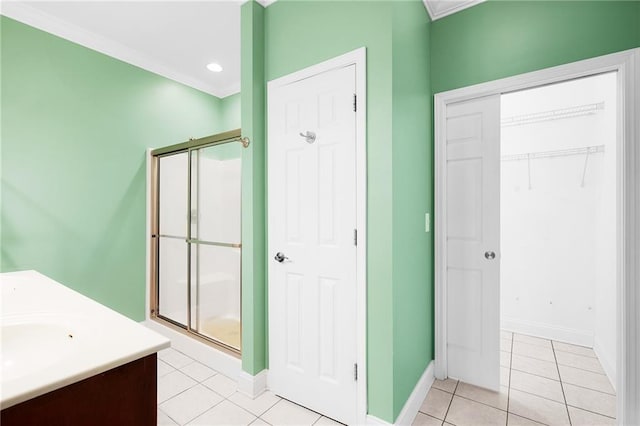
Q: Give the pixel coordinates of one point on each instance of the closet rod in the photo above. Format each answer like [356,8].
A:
[557,153]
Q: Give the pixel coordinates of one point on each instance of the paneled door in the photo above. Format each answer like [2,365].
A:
[472,239]
[312,246]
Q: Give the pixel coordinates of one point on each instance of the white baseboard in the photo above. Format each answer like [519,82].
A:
[608,364]
[411,407]
[548,331]
[205,354]
[415,400]
[252,386]
[374,421]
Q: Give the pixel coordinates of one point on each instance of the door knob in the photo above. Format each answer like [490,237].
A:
[310,137]
[489,255]
[280,257]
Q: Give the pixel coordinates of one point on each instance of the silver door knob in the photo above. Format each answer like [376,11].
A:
[280,257]
[489,255]
[310,137]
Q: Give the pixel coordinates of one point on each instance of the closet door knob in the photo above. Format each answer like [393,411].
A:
[489,255]
[280,257]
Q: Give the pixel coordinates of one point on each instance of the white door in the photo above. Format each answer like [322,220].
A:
[312,219]
[472,240]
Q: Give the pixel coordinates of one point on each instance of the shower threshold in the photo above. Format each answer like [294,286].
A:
[220,333]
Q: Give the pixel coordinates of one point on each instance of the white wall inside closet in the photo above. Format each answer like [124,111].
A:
[558,213]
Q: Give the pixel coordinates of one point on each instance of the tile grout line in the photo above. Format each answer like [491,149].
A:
[180,393]
[225,398]
[539,396]
[526,372]
[576,354]
[529,393]
[534,374]
[166,414]
[584,369]
[450,402]
[480,402]
[566,406]
[270,407]
[506,411]
[191,387]
[533,357]
[591,411]
[254,415]
[591,389]
[557,365]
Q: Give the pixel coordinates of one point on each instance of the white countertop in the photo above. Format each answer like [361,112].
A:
[53,336]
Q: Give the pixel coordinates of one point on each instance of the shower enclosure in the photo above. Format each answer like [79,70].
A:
[196,238]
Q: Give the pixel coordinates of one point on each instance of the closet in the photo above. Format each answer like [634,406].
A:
[558,214]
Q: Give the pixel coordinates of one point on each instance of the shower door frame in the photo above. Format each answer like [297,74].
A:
[154,235]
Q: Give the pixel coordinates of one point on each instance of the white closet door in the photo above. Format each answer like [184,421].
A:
[473,236]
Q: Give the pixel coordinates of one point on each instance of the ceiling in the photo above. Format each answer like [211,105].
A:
[175,39]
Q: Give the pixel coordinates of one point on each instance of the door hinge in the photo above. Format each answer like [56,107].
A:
[355,102]
[355,237]
[355,372]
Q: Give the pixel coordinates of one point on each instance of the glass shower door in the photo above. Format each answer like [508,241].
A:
[215,243]
[172,238]
[196,237]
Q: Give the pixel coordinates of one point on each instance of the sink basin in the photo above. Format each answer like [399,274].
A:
[52,337]
[30,347]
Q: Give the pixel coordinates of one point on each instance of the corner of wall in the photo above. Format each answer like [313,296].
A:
[412,199]
[254,321]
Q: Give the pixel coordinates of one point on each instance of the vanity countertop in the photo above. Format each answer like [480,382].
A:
[53,336]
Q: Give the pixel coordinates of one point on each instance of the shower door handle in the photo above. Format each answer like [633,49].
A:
[280,257]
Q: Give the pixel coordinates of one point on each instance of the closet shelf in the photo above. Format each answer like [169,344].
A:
[557,153]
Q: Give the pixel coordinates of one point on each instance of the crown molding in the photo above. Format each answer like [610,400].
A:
[31,16]
[453,7]
[266,3]
[263,3]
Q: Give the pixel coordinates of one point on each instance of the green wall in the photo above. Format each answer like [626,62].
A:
[254,296]
[230,112]
[497,39]
[75,128]
[330,29]
[412,198]
[399,293]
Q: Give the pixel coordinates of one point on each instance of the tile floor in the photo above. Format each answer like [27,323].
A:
[190,393]
[543,382]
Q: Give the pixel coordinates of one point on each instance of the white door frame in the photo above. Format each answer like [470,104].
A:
[627,64]
[359,59]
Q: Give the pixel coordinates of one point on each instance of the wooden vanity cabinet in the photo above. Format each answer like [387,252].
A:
[123,396]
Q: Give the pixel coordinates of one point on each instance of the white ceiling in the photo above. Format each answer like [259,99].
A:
[175,39]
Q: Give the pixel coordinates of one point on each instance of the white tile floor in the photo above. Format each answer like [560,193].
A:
[190,393]
[543,382]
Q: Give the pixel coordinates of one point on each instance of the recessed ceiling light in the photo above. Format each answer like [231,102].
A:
[214,67]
